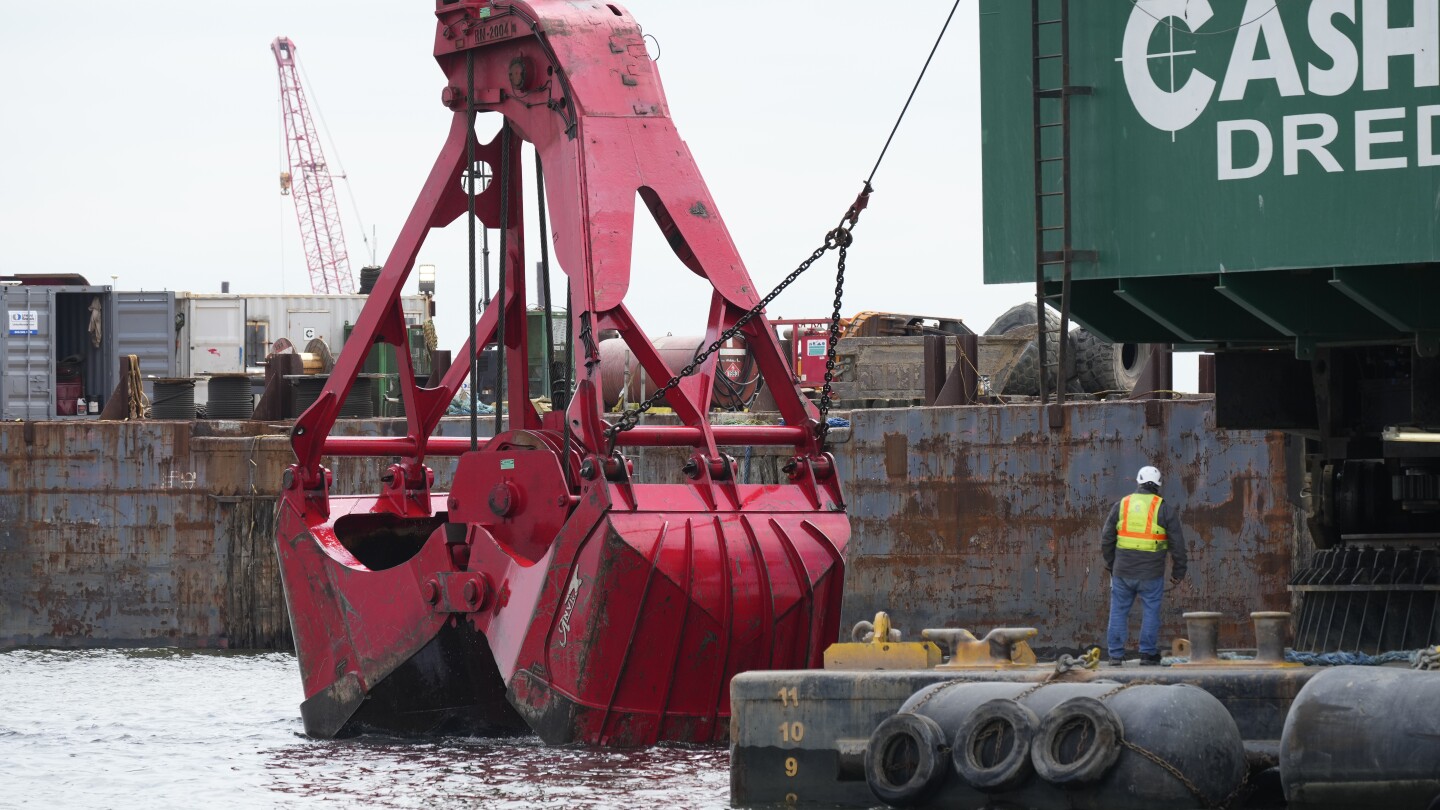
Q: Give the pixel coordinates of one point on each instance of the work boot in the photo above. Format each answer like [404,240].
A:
[1117,662]
[1149,659]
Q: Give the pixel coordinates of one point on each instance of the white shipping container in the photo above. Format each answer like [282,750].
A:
[231,332]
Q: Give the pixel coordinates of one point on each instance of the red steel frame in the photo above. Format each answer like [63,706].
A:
[549,589]
[313,187]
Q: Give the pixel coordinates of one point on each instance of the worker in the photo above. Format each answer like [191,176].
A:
[1136,535]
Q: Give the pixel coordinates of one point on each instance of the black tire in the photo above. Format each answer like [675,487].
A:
[992,746]
[1024,378]
[1022,315]
[1102,367]
[905,762]
[1078,742]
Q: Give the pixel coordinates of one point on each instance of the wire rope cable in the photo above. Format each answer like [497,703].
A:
[1165,21]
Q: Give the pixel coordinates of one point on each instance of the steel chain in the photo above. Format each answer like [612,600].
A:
[826,391]
[1171,769]
[838,239]
[948,685]
[1070,663]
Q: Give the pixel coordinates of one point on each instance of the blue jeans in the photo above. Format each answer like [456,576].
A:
[1122,598]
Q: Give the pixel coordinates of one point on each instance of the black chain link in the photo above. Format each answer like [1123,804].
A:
[838,239]
[823,428]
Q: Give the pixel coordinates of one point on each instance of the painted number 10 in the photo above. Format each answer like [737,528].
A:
[792,732]
[789,696]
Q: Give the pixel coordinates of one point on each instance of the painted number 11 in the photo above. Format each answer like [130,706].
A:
[789,697]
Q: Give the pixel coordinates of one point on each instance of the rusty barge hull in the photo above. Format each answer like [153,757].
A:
[162,533]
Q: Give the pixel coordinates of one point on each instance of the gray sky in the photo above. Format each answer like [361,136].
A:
[142,140]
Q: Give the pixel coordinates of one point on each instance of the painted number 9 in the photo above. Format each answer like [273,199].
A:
[792,732]
[791,767]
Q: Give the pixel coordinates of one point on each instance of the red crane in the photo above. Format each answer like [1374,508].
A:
[309,178]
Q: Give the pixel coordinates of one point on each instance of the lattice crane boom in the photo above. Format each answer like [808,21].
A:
[309,181]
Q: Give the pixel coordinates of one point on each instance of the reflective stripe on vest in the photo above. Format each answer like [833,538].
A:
[1136,529]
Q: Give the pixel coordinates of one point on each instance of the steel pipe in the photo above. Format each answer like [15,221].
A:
[642,436]
[684,436]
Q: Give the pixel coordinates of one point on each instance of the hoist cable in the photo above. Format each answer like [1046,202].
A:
[474,358]
[911,98]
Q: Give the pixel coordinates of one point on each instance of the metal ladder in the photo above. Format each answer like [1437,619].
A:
[1050,78]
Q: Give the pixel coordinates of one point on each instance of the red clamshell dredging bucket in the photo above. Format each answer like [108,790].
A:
[549,589]
[625,630]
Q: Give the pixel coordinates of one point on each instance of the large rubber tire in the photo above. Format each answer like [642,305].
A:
[1022,315]
[1078,742]
[904,762]
[992,746]
[1024,379]
[1102,367]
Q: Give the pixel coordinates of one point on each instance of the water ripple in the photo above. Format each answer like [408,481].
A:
[168,728]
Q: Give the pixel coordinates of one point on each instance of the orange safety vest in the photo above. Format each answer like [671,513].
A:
[1136,529]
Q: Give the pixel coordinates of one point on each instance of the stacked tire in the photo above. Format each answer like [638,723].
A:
[1057,745]
[1093,365]
[1108,368]
[1024,377]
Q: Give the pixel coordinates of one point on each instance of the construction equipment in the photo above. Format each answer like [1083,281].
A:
[550,589]
[310,182]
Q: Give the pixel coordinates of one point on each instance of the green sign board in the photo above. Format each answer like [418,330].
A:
[1218,136]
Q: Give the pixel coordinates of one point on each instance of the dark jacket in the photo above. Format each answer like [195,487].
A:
[1130,564]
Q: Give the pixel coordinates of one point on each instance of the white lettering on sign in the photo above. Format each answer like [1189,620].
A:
[1382,43]
[1385,139]
[1345,59]
[815,347]
[1316,144]
[1246,66]
[24,322]
[1366,138]
[1178,107]
[1226,139]
[1429,155]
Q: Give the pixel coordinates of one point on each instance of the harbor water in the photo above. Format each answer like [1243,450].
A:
[166,728]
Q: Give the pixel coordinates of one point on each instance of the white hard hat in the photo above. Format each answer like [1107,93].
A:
[1148,475]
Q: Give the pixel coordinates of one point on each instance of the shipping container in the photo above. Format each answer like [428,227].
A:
[229,333]
[145,327]
[63,343]
[1238,172]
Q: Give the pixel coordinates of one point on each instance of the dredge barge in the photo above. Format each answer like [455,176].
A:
[1233,202]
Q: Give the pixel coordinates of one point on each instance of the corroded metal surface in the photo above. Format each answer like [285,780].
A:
[146,533]
[116,533]
[983,516]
